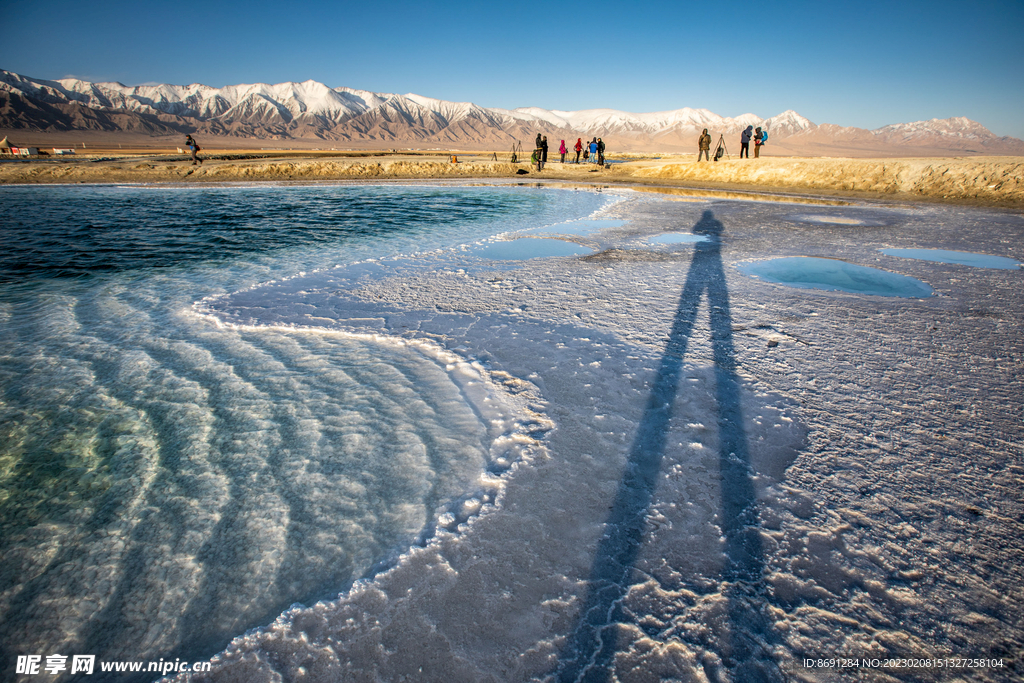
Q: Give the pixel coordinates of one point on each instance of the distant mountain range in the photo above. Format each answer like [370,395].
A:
[343,117]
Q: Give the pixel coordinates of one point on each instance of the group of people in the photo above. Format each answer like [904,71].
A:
[593,151]
[760,138]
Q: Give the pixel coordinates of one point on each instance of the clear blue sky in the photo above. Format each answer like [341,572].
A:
[864,64]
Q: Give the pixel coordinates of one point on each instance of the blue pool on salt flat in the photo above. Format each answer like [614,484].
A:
[964,258]
[579,227]
[530,248]
[833,275]
[678,238]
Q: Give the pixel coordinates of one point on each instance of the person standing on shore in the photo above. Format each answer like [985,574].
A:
[563,150]
[758,141]
[704,146]
[544,151]
[578,148]
[600,151]
[593,150]
[745,141]
[194,148]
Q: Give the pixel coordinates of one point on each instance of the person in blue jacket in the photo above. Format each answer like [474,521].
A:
[745,141]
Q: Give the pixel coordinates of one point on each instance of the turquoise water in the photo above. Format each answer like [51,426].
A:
[167,483]
[835,275]
[529,248]
[583,228]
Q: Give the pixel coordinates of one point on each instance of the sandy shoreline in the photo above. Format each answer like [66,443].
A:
[989,181]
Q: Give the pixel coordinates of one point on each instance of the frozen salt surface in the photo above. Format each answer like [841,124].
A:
[734,482]
[677,238]
[835,275]
[964,258]
[530,248]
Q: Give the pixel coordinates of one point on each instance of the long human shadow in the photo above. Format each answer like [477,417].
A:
[587,657]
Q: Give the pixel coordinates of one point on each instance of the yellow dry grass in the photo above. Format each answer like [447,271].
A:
[987,180]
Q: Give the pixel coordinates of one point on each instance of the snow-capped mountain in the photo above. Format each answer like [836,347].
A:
[313,110]
[957,127]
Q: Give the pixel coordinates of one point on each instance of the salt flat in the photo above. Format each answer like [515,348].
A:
[724,478]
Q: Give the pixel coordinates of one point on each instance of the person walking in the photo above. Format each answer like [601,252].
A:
[758,141]
[194,148]
[563,150]
[600,151]
[578,148]
[745,141]
[704,146]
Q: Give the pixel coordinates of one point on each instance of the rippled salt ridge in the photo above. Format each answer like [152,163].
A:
[165,483]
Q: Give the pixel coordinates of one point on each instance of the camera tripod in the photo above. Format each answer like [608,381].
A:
[517,150]
[720,149]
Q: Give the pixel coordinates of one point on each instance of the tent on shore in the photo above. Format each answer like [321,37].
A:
[5,146]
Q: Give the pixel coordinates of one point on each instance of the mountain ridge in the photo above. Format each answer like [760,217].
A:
[313,110]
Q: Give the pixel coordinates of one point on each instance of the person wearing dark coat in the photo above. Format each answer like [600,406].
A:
[544,150]
[758,137]
[704,146]
[600,151]
[745,141]
[193,148]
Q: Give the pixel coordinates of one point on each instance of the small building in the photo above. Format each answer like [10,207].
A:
[60,152]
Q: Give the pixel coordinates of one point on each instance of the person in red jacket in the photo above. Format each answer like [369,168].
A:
[578,148]
[562,150]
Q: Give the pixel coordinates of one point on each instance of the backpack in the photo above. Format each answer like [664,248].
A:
[764,136]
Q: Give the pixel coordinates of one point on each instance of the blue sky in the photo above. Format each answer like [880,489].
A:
[863,64]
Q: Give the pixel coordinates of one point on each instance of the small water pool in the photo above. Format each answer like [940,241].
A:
[530,248]
[845,220]
[833,275]
[579,227]
[678,238]
[964,258]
